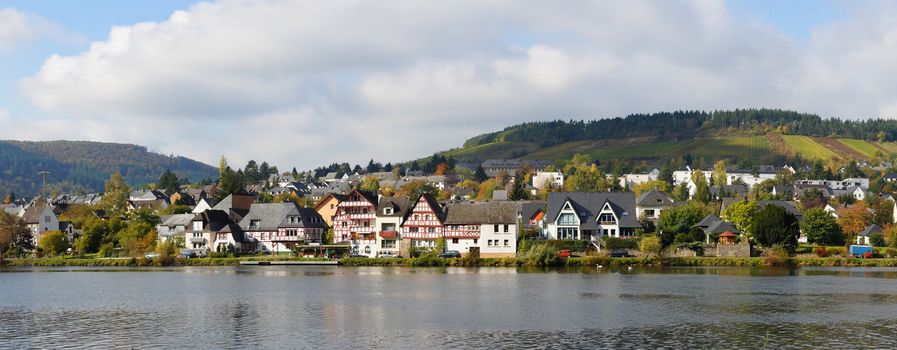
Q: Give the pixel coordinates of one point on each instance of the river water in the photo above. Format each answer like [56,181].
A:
[273,307]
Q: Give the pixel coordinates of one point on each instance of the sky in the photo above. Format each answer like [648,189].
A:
[306,83]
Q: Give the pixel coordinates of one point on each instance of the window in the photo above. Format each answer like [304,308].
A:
[367,249]
[475,241]
[254,224]
[507,244]
[454,241]
[567,219]
[387,211]
[367,223]
[47,218]
[332,206]
[607,218]
[413,229]
[490,242]
[568,233]
[432,230]
[494,228]
[387,227]
[506,228]
[388,243]
[364,210]
[344,224]
[649,212]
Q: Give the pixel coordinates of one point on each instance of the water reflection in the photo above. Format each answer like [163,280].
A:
[387,307]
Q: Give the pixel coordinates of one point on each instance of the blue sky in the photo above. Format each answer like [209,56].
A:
[318,71]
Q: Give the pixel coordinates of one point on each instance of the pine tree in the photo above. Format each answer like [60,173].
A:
[480,174]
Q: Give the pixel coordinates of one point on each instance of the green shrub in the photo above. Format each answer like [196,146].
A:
[621,243]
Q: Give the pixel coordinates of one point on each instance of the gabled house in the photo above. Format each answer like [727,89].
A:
[489,229]
[714,227]
[152,199]
[591,216]
[390,212]
[40,218]
[423,224]
[863,236]
[203,205]
[355,219]
[204,229]
[172,226]
[280,227]
[649,204]
[326,207]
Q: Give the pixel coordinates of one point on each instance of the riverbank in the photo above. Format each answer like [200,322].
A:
[466,262]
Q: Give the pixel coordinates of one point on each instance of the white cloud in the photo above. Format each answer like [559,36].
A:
[19,28]
[309,82]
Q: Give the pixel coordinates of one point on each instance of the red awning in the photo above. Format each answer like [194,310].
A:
[388,234]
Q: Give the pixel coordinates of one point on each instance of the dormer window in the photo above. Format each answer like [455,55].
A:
[254,224]
[387,211]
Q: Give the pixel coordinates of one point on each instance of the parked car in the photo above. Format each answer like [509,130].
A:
[565,253]
[187,254]
[619,253]
[152,255]
[450,254]
[357,256]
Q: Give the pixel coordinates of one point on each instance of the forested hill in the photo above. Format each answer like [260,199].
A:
[678,125]
[76,166]
[749,136]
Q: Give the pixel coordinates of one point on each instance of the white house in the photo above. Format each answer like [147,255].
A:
[541,179]
[40,218]
[591,216]
[390,212]
[489,228]
[650,204]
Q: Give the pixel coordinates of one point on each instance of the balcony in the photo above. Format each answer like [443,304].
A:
[197,240]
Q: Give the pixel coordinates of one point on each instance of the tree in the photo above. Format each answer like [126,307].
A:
[115,199]
[415,188]
[679,220]
[480,174]
[14,235]
[659,185]
[719,173]
[854,218]
[230,182]
[485,190]
[650,245]
[821,228]
[370,183]
[53,243]
[93,233]
[702,190]
[168,181]
[775,226]
[681,192]
[518,191]
[742,214]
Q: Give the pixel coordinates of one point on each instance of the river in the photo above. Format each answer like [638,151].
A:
[421,308]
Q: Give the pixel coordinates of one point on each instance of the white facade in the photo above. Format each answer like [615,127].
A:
[541,179]
[498,240]
[387,246]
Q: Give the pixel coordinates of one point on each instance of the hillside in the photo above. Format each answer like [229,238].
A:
[85,166]
[761,136]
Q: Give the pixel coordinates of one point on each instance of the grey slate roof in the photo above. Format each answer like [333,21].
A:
[654,198]
[789,206]
[480,213]
[272,216]
[720,227]
[588,206]
[400,206]
[177,220]
[708,221]
[870,230]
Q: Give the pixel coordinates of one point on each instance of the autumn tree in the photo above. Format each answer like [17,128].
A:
[413,189]
[370,183]
[719,173]
[14,235]
[854,218]
[659,185]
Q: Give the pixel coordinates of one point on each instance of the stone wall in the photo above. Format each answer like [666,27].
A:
[733,250]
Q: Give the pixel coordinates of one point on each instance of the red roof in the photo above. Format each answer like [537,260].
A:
[388,234]
[728,234]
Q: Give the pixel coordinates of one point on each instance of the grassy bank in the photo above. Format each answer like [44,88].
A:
[52,262]
[468,262]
